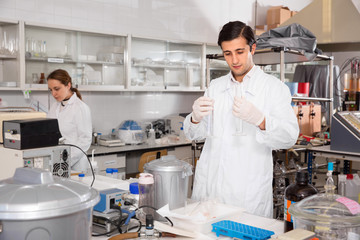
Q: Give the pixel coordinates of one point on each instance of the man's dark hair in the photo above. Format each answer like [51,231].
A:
[236,29]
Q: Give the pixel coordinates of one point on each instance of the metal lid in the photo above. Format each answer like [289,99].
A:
[35,194]
[169,163]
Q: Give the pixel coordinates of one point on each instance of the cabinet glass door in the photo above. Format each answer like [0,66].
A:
[9,56]
[215,67]
[94,61]
[158,64]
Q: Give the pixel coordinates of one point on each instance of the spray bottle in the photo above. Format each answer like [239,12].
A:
[182,137]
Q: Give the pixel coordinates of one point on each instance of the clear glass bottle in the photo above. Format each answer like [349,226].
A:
[294,193]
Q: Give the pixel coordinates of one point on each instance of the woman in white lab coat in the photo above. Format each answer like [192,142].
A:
[73,116]
[236,165]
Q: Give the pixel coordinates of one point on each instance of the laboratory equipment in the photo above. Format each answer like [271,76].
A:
[130,132]
[309,118]
[294,193]
[240,231]
[146,194]
[171,177]
[17,113]
[108,199]
[55,159]
[239,92]
[37,205]
[197,217]
[210,118]
[345,131]
[328,215]
[31,133]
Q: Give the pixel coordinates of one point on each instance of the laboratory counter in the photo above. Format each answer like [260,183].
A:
[130,148]
[127,158]
[277,226]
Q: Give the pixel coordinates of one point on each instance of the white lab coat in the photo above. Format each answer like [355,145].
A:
[238,170]
[76,127]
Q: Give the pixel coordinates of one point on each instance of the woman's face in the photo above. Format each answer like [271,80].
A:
[59,90]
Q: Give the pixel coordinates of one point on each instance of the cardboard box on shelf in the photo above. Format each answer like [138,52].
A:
[277,15]
[258,32]
[293,13]
[260,29]
[272,26]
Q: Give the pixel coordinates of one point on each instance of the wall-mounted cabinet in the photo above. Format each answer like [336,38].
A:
[161,64]
[29,52]
[95,61]
[9,55]
[215,68]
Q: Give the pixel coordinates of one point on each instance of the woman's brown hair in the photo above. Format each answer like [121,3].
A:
[64,77]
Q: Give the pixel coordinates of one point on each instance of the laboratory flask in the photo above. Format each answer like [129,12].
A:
[294,193]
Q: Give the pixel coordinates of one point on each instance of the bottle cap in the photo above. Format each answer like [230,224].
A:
[349,176]
[134,188]
[81,175]
[146,178]
[109,170]
[302,176]
[330,166]
[115,170]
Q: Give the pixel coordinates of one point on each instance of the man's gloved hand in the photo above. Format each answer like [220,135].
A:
[201,108]
[246,111]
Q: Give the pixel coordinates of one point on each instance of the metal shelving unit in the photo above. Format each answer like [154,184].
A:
[284,56]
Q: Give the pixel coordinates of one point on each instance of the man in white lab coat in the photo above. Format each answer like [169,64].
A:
[243,116]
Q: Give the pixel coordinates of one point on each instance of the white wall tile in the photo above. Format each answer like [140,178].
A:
[79,9]
[95,11]
[26,15]
[8,13]
[45,6]
[62,20]
[29,5]
[79,23]
[62,7]
[7,4]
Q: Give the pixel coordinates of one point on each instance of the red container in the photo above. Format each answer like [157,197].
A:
[303,90]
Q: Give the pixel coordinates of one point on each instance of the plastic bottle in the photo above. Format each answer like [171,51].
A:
[294,193]
[342,184]
[115,173]
[133,196]
[350,188]
[151,139]
[146,194]
[182,134]
[109,172]
[81,177]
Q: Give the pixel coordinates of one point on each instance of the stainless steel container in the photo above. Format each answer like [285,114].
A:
[34,204]
[171,177]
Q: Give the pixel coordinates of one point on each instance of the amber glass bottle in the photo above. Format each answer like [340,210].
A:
[294,193]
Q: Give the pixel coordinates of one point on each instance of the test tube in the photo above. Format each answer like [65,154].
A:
[238,91]
[210,118]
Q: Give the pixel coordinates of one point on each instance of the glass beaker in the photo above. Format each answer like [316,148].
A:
[238,92]
[35,78]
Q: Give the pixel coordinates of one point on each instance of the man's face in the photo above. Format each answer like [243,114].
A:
[238,56]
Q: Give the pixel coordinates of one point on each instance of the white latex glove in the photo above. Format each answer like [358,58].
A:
[246,111]
[201,108]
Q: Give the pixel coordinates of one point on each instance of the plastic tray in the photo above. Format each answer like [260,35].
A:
[239,230]
[210,211]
